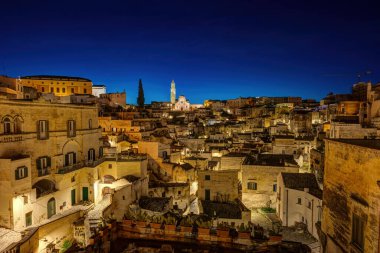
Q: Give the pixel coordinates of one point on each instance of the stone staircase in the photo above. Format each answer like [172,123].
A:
[95,216]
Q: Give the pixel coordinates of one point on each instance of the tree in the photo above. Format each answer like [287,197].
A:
[140,97]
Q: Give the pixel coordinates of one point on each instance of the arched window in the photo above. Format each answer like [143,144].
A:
[7,126]
[51,207]
[18,125]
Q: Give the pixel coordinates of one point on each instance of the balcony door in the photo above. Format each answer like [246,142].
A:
[70,159]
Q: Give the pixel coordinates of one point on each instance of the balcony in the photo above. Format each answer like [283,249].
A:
[10,138]
[95,163]
[44,172]
[77,166]
[70,168]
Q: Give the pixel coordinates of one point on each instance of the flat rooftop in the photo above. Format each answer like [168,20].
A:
[366,143]
[58,78]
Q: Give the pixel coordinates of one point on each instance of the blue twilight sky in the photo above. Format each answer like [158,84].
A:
[215,49]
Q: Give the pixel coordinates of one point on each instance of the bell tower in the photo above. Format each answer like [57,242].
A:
[172,92]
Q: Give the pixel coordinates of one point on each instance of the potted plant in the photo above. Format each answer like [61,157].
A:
[186,224]
[244,232]
[223,230]
[203,227]
[141,220]
[156,222]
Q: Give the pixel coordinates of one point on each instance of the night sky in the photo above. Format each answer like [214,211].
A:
[212,49]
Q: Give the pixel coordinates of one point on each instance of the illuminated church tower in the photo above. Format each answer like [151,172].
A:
[172,92]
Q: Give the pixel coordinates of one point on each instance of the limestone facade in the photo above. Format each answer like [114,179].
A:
[351,196]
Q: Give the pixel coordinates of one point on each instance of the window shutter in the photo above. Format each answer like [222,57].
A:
[74,158]
[38,129]
[88,155]
[48,161]
[38,163]
[66,159]
[68,128]
[47,129]
[74,128]
[17,174]
[26,171]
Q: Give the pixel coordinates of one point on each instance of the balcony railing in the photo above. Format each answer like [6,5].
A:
[70,168]
[77,166]
[44,172]
[10,138]
[95,163]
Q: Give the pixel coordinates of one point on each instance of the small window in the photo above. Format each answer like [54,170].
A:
[91,154]
[70,159]
[52,89]
[63,90]
[101,152]
[85,91]
[7,126]
[71,128]
[43,89]
[25,199]
[90,123]
[21,172]
[252,186]
[72,90]
[358,226]
[28,219]
[110,166]
[57,90]
[72,179]
[43,165]
[299,201]
[274,187]
[179,192]
[207,177]
[43,130]
[309,205]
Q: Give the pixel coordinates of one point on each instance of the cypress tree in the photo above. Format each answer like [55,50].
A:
[140,97]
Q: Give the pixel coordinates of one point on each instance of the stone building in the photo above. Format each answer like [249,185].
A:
[59,85]
[220,185]
[114,99]
[49,156]
[179,192]
[299,200]
[259,177]
[182,104]
[98,89]
[351,196]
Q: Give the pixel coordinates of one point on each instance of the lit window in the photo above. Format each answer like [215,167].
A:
[71,128]
[91,154]
[43,165]
[43,130]
[70,159]
[21,172]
